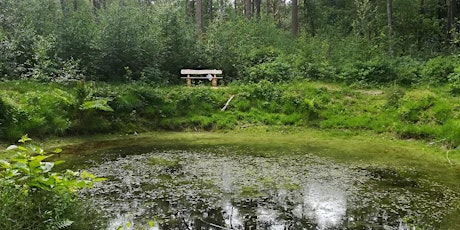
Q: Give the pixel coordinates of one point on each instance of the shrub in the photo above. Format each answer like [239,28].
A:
[374,71]
[33,196]
[454,81]
[274,71]
[437,69]
[422,107]
[407,70]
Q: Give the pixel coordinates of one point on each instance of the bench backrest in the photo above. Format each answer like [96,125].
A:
[200,71]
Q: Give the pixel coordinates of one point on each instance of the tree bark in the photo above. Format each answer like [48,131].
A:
[295,18]
[198,17]
[247,8]
[96,4]
[390,25]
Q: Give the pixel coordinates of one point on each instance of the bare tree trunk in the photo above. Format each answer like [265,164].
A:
[96,4]
[390,25]
[247,8]
[198,17]
[295,18]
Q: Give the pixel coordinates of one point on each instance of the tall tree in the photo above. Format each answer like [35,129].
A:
[295,18]
[198,17]
[390,24]
[257,6]
[309,15]
[247,8]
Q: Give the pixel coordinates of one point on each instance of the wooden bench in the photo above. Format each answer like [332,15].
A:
[210,75]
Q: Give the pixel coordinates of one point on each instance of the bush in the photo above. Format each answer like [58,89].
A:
[32,196]
[275,71]
[454,81]
[423,107]
[375,71]
[437,69]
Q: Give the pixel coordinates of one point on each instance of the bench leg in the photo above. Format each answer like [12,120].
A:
[214,81]
[189,81]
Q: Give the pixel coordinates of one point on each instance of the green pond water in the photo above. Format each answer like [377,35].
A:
[178,186]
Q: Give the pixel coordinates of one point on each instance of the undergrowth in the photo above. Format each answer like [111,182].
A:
[423,112]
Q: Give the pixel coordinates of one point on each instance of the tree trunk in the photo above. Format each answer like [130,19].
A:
[96,4]
[211,11]
[309,15]
[257,3]
[295,18]
[198,17]
[247,8]
[451,13]
[267,4]
[390,25]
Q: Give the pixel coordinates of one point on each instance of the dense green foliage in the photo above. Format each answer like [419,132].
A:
[425,112]
[32,196]
[61,41]
[83,67]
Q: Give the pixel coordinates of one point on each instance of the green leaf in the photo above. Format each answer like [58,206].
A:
[85,174]
[58,162]
[5,164]
[57,151]
[71,173]
[47,166]
[24,139]
[98,104]
[99,179]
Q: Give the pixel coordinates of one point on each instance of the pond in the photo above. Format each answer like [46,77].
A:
[239,187]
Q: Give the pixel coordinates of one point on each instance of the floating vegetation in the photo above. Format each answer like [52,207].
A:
[222,189]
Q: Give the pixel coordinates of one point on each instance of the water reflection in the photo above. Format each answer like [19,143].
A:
[326,204]
[184,190]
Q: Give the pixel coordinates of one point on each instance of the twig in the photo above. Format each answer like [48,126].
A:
[434,142]
[447,156]
[228,102]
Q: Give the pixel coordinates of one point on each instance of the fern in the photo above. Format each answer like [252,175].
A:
[63,224]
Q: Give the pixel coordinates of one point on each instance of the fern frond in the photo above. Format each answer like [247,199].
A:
[63,224]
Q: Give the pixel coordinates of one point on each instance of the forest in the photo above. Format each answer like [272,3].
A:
[76,68]
[107,66]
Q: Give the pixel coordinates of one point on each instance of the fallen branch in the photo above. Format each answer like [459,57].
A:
[228,102]
[447,156]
